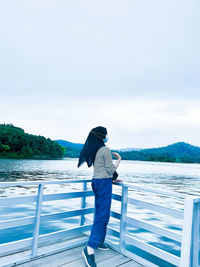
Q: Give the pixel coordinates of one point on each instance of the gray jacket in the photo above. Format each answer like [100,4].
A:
[103,165]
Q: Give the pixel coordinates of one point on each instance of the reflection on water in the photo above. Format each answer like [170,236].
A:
[183,178]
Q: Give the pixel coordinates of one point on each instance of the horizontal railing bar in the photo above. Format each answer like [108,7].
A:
[153,250]
[155,229]
[53,197]
[147,205]
[116,197]
[152,190]
[70,181]
[66,214]
[17,222]
[50,197]
[26,183]
[52,216]
[16,246]
[20,245]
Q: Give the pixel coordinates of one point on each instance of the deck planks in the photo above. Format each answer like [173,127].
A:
[130,264]
[73,257]
[99,257]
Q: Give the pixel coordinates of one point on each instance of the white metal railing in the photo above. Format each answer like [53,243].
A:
[188,239]
[32,243]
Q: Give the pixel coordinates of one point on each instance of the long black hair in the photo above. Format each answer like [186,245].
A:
[92,144]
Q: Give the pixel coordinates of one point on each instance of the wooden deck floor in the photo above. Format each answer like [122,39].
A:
[74,258]
[71,257]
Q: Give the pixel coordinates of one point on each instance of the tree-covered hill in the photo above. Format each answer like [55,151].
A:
[72,150]
[178,152]
[15,143]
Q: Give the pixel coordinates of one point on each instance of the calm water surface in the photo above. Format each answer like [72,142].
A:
[174,177]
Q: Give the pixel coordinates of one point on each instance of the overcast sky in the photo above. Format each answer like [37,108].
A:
[130,66]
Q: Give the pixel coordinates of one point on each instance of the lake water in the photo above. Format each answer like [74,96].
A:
[174,177]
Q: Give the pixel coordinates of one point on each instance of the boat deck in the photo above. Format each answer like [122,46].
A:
[63,247]
[69,257]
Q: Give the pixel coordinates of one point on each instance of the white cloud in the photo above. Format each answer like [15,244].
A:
[131,66]
[137,123]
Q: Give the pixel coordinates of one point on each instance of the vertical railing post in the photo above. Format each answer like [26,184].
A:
[124,203]
[37,221]
[83,203]
[190,241]
[195,244]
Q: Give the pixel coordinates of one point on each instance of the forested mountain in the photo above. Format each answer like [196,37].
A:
[72,150]
[15,143]
[178,152]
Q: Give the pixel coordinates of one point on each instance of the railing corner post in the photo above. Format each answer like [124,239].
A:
[190,241]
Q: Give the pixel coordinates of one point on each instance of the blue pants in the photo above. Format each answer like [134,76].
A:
[103,196]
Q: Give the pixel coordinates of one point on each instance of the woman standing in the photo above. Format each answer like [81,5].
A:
[97,153]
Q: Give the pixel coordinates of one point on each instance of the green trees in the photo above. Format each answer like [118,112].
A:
[15,143]
[179,152]
[72,150]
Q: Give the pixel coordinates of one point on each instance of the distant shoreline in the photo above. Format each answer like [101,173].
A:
[180,152]
[29,158]
[16,144]
[114,159]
